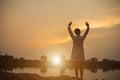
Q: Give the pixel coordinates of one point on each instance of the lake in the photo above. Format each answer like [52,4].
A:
[88,75]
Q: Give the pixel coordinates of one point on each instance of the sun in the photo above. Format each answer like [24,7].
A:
[56,60]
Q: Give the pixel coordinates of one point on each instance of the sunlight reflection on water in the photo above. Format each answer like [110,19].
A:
[110,75]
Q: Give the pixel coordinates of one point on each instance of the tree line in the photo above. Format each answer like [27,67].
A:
[10,61]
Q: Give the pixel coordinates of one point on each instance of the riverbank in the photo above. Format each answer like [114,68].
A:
[26,76]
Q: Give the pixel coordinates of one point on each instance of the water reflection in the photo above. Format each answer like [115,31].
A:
[62,69]
[43,68]
[91,73]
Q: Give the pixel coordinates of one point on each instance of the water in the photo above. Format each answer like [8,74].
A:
[88,75]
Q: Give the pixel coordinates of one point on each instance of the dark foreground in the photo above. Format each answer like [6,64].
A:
[26,76]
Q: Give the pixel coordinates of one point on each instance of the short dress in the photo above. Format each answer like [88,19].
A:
[78,48]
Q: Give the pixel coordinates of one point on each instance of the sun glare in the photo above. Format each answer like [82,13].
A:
[56,60]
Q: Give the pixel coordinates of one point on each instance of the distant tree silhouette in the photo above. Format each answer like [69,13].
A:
[63,65]
[21,59]
[43,58]
[94,59]
[44,61]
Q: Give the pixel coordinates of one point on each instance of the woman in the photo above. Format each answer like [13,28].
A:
[77,56]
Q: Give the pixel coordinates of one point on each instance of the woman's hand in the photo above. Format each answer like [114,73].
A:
[70,24]
[87,24]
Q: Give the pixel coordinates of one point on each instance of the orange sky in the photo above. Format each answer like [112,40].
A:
[31,28]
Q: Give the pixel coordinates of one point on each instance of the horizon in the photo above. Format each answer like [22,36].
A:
[56,59]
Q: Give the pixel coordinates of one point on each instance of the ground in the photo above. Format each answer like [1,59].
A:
[26,76]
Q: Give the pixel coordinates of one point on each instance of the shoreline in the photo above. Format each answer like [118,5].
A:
[28,76]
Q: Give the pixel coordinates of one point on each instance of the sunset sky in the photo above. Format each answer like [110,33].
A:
[31,28]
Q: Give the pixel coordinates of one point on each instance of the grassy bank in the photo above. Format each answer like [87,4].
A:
[26,76]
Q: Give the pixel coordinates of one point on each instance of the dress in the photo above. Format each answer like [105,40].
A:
[78,47]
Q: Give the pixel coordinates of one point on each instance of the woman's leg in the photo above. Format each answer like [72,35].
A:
[81,73]
[76,71]
[81,70]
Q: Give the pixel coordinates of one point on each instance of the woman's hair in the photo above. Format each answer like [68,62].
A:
[77,31]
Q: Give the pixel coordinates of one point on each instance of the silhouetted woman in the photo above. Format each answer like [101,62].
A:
[77,56]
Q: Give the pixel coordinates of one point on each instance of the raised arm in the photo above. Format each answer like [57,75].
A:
[87,30]
[69,29]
